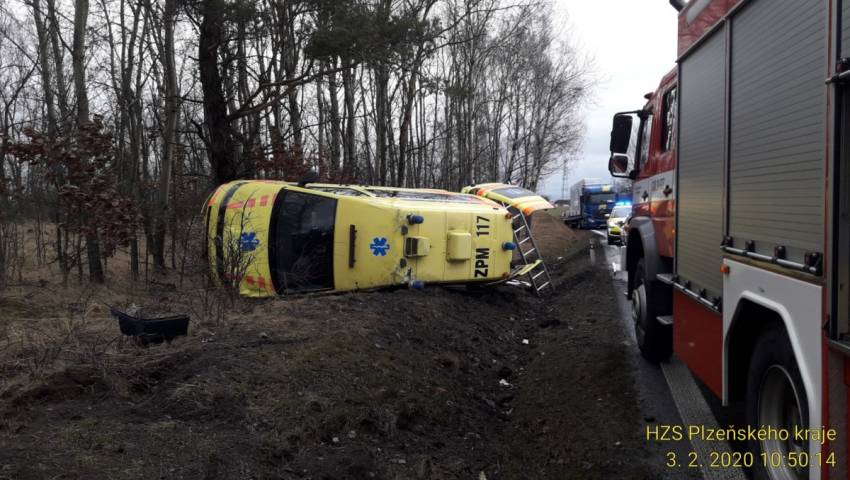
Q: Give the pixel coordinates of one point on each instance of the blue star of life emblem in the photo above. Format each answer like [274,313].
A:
[249,241]
[380,246]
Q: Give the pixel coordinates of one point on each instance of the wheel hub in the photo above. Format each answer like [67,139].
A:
[779,406]
[637,313]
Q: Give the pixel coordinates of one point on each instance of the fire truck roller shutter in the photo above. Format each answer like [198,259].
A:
[777,129]
[701,167]
[845,29]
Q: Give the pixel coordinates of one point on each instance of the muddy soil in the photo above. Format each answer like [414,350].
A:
[445,383]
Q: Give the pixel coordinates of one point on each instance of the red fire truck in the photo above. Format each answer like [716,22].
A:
[738,250]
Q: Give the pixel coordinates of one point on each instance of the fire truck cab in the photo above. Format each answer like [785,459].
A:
[738,249]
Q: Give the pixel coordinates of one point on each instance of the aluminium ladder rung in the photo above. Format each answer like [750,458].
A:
[519,224]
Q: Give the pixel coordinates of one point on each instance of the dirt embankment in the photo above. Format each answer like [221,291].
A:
[442,383]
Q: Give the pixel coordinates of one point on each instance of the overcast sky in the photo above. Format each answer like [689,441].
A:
[632,44]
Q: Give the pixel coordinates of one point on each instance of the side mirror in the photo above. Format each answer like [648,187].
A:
[622,148]
[618,165]
[621,133]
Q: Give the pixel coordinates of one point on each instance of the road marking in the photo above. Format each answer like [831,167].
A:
[695,411]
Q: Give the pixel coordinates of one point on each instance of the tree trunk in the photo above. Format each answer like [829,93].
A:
[219,135]
[381,115]
[289,59]
[172,111]
[333,113]
[58,66]
[320,106]
[406,116]
[78,55]
[349,159]
[44,65]
[81,14]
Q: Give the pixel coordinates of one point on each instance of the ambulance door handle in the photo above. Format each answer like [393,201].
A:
[645,195]
[352,241]
[667,190]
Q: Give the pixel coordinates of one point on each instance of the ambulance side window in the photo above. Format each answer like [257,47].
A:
[301,242]
[668,131]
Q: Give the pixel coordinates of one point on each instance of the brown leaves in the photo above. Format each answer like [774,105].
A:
[81,168]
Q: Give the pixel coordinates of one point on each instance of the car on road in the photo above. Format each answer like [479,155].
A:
[615,223]
[520,198]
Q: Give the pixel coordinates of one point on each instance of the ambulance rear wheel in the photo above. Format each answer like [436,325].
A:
[776,398]
[654,340]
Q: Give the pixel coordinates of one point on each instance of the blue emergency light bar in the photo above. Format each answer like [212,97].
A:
[623,204]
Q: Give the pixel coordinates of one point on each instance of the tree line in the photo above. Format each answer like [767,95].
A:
[117,117]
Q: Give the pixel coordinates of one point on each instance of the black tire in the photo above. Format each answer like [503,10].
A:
[654,340]
[776,396]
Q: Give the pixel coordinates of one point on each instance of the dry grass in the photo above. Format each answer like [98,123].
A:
[45,328]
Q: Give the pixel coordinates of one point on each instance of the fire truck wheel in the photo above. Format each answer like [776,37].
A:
[654,339]
[776,398]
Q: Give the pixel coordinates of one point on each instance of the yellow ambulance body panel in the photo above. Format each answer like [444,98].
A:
[275,238]
[523,200]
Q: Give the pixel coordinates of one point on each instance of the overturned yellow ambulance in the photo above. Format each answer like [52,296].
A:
[273,238]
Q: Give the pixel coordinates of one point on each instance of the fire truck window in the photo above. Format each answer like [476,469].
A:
[301,242]
[645,136]
[669,125]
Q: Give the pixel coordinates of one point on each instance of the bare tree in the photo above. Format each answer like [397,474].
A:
[182,96]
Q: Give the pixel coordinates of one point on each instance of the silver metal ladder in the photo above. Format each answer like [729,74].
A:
[538,276]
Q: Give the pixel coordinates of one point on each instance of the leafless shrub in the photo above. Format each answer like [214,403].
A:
[39,347]
[11,251]
[237,251]
[190,249]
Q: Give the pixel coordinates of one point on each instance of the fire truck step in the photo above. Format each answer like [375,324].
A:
[542,272]
[524,240]
[541,287]
[665,319]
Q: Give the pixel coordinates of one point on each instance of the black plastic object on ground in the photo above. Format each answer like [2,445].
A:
[151,330]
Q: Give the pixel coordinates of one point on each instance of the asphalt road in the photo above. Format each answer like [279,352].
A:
[669,393]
